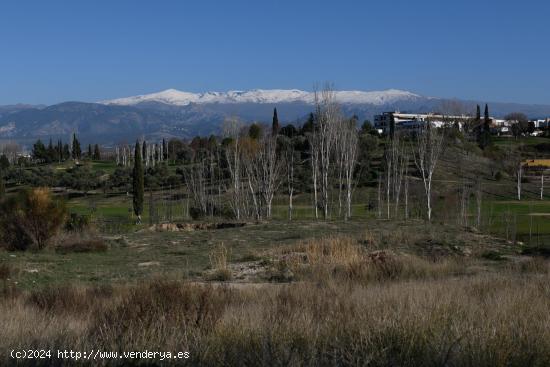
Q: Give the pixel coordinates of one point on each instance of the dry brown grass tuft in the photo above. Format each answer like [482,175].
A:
[345,258]
[219,262]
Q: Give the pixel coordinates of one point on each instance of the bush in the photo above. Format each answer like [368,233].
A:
[31,218]
[77,222]
[81,245]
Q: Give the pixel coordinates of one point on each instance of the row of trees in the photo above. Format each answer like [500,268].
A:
[60,152]
[253,163]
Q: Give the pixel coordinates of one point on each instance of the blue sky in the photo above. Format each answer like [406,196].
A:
[53,51]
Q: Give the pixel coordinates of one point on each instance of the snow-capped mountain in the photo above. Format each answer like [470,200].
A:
[178,98]
[173,113]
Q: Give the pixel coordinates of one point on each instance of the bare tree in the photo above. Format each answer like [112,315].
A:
[11,150]
[263,170]
[327,116]
[519,176]
[542,184]
[479,194]
[395,161]
[350,147]
[290,159]
[231,129]
[195,179]
[428,147]
[314,160]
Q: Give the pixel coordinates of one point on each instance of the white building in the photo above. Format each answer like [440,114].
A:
[414,121]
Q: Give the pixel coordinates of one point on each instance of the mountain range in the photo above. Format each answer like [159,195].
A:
[173,113]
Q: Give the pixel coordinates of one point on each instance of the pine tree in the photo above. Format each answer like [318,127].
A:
[137,184]
[164,150]
[97,153]
[275,125]
[90,151]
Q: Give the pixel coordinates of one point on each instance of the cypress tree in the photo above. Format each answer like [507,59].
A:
[51,152]
[144,149]
[478,128]
[486,128]
[97,153]
[275,125]
[90,151]
[66,152]
[77,152]
[59,150]
[2,187]
[137,184]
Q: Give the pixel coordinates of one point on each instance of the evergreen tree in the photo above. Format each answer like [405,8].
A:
[77,151]
[478,128]
[66,152]
[144,150]
[59,150]
[275,125]
[164,150]
[50,152]
[255,131]
[309,125]
[4,162]
[486,130]
[97,153]
[39,151]
[90,151]
[137,184]
[2,187]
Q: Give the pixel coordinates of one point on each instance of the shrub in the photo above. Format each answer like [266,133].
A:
[492,255]
[30,218]
[82,245]
[77,222]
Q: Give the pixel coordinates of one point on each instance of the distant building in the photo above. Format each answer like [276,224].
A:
[414,121]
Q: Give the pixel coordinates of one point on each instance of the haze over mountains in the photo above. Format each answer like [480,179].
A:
[173,113]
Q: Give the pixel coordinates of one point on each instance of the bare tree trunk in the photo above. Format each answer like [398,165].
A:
[479,194]
[379,197]
[231,129]
[428,147]
[407,191]
[290,177]
[314,174]
[542,185]
[519,175]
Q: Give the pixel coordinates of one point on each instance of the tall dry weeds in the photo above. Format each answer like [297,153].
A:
[485,320]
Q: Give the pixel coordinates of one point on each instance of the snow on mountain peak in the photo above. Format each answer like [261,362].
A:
[179,98]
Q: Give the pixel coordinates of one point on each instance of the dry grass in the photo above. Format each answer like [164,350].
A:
[344,258]
[83,241]
[219,262]
[355,305]
[490,320]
